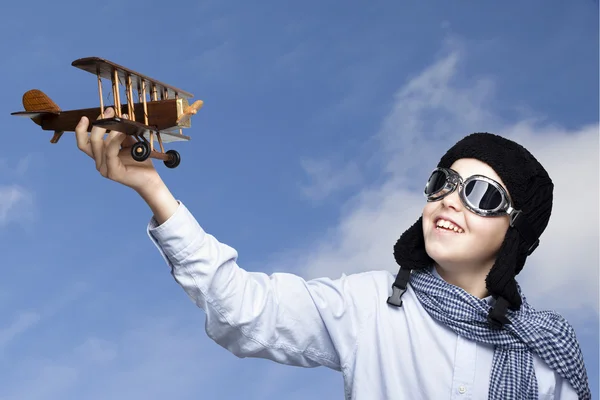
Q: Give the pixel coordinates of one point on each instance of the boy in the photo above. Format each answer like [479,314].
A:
[452,323]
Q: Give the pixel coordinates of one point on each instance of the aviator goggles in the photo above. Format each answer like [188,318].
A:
[479,194]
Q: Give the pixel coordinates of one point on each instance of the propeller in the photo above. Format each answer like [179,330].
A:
[189,111]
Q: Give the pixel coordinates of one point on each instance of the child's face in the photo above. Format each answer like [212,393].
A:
[478,240]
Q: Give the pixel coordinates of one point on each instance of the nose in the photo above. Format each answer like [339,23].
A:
[453,201]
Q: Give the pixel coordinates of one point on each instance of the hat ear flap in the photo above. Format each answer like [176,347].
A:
[410,253]
[409,250]
[501,282]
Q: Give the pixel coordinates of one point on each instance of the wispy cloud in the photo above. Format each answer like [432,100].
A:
[24,321]
[327,178]
[16,201]
[431,112]
[16,204]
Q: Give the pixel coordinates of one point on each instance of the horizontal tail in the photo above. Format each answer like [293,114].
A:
[35,115]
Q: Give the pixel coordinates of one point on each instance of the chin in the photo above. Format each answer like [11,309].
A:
[439,256]
[444,259]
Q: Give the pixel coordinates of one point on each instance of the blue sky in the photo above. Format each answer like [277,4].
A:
[321,121]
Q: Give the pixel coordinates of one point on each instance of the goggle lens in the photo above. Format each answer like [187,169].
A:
[483,195]
[437,181]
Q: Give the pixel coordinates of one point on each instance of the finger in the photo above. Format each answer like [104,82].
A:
[102,168]
[96,141]
[81,135]
[129,140]
[112,160]
[112,134]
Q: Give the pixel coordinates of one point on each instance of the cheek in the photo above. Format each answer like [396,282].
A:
[490,231]
[428,210]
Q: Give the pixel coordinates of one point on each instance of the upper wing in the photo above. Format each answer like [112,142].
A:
[105,69]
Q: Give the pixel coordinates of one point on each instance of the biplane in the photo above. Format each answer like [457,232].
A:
[157,115]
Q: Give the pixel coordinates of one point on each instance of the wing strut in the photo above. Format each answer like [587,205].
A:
[115,85]
[130,106]
[100,92]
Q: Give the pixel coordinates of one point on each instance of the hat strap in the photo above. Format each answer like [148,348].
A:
[399,287]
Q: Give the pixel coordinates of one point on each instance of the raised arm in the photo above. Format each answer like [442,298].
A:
[280,317]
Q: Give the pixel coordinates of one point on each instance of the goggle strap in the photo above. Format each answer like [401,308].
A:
[520,222]
[399,287]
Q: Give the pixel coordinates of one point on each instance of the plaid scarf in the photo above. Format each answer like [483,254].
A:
[544,333]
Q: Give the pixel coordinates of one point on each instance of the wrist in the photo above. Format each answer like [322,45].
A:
[160,200]
[151,189]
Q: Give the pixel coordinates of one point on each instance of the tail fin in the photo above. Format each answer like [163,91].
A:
[36,100]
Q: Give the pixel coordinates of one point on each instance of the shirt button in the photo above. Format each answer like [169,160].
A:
[462,389]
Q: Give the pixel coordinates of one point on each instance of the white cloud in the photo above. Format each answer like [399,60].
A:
[15,203]
[567,259]
[431,112]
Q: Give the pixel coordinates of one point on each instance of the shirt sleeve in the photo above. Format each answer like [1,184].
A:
[280,317]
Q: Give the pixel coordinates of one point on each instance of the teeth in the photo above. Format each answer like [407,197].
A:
[448,225]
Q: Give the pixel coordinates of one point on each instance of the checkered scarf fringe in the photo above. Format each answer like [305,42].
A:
[544,333]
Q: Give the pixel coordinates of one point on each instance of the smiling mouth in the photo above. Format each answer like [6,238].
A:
[444,225]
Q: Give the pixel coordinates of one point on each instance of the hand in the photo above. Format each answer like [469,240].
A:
[113,160]
[113,156]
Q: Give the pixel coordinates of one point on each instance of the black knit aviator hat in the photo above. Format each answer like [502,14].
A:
[530,189]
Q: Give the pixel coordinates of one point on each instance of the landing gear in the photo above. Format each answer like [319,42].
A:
[174,159]
[140,151]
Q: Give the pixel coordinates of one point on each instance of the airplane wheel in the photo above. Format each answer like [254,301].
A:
[140,151]
[174,159]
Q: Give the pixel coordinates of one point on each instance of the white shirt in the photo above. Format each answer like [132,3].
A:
[383,352]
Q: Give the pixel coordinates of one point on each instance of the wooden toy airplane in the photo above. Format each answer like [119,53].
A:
[159,118]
